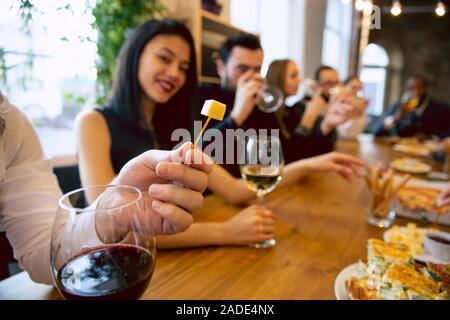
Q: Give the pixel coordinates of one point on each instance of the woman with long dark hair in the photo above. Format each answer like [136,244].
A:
[356,124]
[150,97]
[155,76]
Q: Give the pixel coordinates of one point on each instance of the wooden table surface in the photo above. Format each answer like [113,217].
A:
[320,230]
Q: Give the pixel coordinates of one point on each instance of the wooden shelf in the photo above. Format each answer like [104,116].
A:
[205,79]
[215,18]
[209,31]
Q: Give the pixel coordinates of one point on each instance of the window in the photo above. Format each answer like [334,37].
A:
[373,76]
[245,15]
[337,36]
[49,73]
[271,21]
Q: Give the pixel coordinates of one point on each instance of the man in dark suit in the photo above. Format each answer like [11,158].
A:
[416,114]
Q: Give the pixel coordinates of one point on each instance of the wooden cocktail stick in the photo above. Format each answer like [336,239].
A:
[211,109]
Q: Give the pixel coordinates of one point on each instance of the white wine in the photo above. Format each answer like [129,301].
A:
[261,178]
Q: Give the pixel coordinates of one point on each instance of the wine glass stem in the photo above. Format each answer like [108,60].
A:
[260,197]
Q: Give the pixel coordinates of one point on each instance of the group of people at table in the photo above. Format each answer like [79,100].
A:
[127,141]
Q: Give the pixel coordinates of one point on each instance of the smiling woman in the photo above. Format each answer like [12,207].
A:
[163,65]
[156,73]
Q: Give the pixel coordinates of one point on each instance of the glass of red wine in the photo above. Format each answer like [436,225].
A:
[103,248]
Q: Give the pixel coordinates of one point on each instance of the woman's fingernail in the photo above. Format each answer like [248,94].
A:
[154,189]
[163,168]
[207,159]
[156,205]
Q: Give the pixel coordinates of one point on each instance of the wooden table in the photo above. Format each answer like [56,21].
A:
[321,229]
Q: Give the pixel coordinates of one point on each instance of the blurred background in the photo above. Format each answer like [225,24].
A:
[57,57]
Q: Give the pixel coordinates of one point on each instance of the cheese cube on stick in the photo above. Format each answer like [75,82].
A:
[212,109]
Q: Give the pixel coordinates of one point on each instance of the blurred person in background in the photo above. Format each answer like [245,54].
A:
[307,130]
[417,113]
[356,124]
[326,105]
[238,65]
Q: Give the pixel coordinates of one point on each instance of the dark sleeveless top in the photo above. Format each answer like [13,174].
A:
[126,142]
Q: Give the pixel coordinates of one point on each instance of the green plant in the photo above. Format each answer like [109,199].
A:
[114,19]
[26,10]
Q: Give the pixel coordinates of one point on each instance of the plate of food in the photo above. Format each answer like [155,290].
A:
[413,237]
[350,272]
[410,165]
[413,149]
[390,273]
[418,201]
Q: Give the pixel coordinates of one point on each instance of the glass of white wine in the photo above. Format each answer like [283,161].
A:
[261,169]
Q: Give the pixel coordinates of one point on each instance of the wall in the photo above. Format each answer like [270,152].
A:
[423,41]
[288,29]
[185,10]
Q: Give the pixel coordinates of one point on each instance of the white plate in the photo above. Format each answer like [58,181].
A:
[424,257]
[407,165]
[416,150]
[339,284]
[416,182]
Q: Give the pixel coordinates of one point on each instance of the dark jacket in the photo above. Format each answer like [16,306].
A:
[434,120]
[295,148]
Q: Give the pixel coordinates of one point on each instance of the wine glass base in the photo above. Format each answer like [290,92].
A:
[264,244]
[381,221]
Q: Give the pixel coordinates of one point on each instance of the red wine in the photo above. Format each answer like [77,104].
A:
[119,271]
[439,239]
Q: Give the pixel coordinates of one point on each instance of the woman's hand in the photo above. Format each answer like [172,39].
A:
[359,104]
[317,103]
[340,110]
[343,164]
[251,225]
[314,108]
[444,198]
[445,145]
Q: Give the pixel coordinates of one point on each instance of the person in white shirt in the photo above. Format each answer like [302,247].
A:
[356,124]
[29,191]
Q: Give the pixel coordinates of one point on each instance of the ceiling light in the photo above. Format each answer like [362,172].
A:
[359,5]
[440,9]
[396,8]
